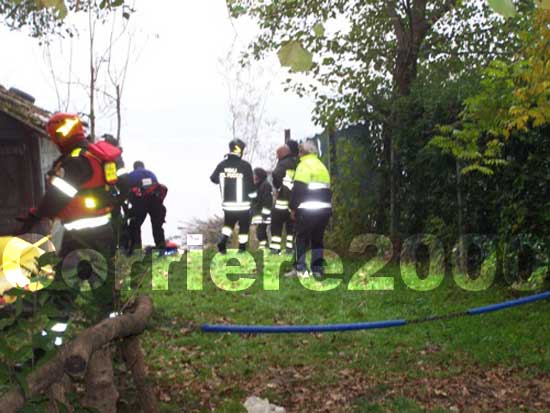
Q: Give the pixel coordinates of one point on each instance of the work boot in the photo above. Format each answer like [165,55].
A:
[222,248]
[318,275]
[242,248]
[294,273]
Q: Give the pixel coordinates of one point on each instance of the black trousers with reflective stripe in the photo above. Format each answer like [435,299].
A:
[261,232]
[153,206]
[231,218]
[280,218]
[310,233]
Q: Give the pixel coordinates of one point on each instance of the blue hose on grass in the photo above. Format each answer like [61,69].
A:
[375,325]
[509,304]
[208,328]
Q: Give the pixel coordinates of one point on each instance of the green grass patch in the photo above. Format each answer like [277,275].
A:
[190,291]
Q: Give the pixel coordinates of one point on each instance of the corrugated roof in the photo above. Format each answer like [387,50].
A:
[24,111]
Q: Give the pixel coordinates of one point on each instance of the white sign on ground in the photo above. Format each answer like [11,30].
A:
[195,241]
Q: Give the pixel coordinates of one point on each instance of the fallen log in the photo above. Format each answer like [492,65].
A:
[75,356]
[101,393]
[58,396]
[135,362]
[130,324]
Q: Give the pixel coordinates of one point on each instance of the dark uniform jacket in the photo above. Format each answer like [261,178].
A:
[236,180]
[283,180]
[262,205]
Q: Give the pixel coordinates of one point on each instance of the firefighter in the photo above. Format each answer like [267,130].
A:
[79,194]
[146,198]
[283,181]
[120,193]
[236,180]
[311,206]
[262,206]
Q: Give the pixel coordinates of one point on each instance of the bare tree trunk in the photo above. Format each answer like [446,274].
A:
[393,191]
[384,188]
[135,362]
[92,73]
[101,392]
[410,30]
[460,205]
[118,113]
[333,153]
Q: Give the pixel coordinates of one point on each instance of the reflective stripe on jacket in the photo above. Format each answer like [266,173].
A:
[311,185]
[90,199]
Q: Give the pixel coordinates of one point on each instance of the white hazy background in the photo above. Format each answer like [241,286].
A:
[175,102]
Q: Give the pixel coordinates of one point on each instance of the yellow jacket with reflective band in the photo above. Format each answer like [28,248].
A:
[311,183]
[312,170]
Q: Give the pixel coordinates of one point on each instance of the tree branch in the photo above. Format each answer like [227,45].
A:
[391,8]
[74,357]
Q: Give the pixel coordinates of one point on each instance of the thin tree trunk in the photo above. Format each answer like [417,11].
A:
[92,74]
[460,205]
[333,153]
[393,191]
[385,185]
[118,113]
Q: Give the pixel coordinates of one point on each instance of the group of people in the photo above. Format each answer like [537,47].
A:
[100,204]
[296,203]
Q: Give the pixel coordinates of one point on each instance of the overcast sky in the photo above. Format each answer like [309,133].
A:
[175,103]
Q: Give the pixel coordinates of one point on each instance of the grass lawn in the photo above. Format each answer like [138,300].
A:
[496,362]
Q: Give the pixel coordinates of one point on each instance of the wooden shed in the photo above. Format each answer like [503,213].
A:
[26,154]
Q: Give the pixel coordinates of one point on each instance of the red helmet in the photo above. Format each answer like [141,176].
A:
[65,130]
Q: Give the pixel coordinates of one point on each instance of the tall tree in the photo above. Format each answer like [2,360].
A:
[367,55]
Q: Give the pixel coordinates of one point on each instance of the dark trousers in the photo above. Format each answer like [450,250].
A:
[310,232]
[231,218]
[153,206]
[281,219]
[261,234]
[88,255]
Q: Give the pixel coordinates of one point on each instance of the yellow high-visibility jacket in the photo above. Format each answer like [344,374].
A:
[311,189]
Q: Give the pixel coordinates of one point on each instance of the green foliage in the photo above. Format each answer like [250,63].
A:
[43,18]
[504,7]
[292,54]
[57,6]
[354,61]
[357,175]
[513,97]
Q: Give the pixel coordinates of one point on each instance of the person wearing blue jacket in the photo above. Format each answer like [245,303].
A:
[146,198]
